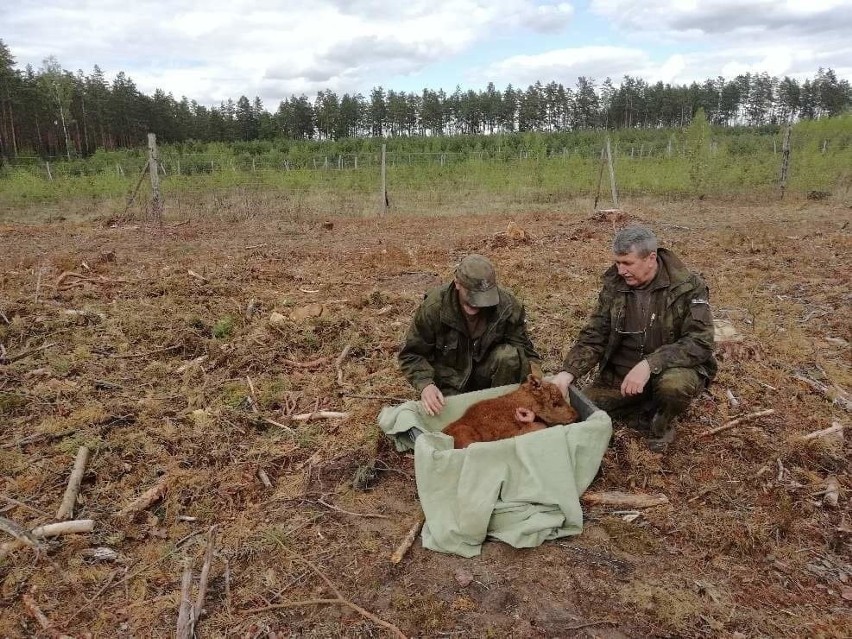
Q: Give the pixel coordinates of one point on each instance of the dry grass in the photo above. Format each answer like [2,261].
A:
[745,545]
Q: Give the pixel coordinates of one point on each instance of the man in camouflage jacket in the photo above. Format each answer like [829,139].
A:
[467,335]
[651,336]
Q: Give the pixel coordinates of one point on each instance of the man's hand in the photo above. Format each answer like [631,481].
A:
[634,382]
[432,399]
[563,380]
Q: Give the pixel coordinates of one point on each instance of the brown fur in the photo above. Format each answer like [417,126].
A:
[493,419]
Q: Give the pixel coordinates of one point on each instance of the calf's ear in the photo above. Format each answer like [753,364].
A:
[535,370]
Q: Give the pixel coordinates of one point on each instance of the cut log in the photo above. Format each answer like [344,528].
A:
[66,509]
[832,491]
[145,499]
[76,526]
[622,500]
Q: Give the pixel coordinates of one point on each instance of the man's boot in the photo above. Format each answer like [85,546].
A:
[662,433]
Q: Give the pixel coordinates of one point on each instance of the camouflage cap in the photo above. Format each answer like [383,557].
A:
[476,273]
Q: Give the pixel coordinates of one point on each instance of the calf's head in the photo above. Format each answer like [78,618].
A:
[546,400]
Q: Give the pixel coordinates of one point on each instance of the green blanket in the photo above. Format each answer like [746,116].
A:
[522,491]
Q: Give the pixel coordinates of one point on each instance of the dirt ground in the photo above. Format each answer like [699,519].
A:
[163,356]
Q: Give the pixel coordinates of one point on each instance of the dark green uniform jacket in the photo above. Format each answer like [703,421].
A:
[682,335]
[439,350]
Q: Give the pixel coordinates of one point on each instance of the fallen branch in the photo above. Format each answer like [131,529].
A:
[407,541]
[338,363]
[165,349]
[27,353]
[279,425]
[736,422]
[100,279]
[41,619]
[145,499]
[832,491]
[29,439]
[318,414]
[349,512]
[253,395]
[205,574]
[837,396]
[73,527]
[66,509]
[184,620]
[21,504]
[629,500]
[338,599]
[197,276]
[835,427]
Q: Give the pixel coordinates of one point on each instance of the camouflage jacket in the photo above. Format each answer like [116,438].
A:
[438,348]
[680,303]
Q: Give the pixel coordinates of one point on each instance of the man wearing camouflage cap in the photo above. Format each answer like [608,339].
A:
[651,337]
[467,335]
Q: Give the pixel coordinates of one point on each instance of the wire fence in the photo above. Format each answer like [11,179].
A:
[466,181]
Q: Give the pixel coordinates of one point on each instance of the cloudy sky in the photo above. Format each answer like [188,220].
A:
[211,50]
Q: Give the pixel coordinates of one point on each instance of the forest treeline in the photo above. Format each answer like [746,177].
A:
[52,112]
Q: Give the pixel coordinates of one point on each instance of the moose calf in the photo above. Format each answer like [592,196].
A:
[535,405]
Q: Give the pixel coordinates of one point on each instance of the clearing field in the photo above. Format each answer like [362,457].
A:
[159,351]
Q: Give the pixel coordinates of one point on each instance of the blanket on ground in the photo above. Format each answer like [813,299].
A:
[522,491]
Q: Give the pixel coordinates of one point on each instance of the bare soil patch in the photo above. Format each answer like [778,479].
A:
[181,377]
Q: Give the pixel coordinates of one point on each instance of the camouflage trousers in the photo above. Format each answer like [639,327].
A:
[666,396]
[504,364]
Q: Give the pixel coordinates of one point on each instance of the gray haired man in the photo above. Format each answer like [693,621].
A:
[651,336]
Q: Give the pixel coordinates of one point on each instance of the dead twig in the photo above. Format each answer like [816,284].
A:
[165,349]
[197,276]
[145,499]
[253,395]
[407,541]
[349,512]
[41,619]
[185,609]
[318,414]
[70,498]
[311,364]
[21,504]
[836,395]
[338,599]
[205,574]
[272,422]
[736,422]
[628,500]
[338,363]
[9,359]
[835,427]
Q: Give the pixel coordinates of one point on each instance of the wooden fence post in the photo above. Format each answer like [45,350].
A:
[785,159]
[384,194]
[154,172]
[611,174]
[49,174]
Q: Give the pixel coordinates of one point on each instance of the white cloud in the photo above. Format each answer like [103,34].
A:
[217,49]
[566,65]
